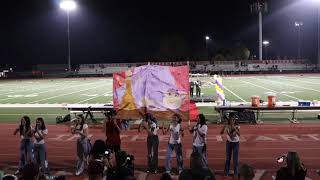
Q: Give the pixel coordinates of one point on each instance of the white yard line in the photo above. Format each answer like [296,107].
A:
[234,94]
[92,98]
[24,88]
[63,94]
[310,89]
[270,90]
[52,90]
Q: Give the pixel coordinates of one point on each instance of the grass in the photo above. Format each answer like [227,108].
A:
[99,91]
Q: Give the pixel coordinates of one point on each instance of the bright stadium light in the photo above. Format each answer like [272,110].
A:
[298,24]
[265,42]
[68,5]
[207,38]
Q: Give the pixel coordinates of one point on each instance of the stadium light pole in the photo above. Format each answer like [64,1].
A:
[68,5]
[266,44]
[207,38]
[258,7]
[298,25]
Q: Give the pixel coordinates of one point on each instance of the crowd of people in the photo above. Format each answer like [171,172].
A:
[105,159]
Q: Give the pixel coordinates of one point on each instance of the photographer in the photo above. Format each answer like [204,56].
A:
[199,132]
[294,170]
[232,144]
[113,128]
[124,167]
[99,161]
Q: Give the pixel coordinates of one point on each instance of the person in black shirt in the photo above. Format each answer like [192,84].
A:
[294,170]
[191,88]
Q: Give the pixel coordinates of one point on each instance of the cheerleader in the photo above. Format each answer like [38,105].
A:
[26,146]
[40,150]
[81,130]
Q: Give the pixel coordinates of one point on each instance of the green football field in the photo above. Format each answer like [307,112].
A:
[14,94]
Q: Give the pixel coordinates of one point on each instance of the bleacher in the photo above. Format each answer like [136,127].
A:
[245,66]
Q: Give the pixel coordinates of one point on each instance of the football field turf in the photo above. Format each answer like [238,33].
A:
[50,92]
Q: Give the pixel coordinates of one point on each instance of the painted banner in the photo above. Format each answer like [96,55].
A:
[160,90]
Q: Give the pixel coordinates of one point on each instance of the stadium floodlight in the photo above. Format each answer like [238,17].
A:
[68,5]
[265,42]
[298,24]
[207,38]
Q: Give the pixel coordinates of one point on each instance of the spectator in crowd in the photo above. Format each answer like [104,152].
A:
[174,143]
[81,129]
[165,176]
[113,128]
[246,172]
[198,169]
[232,144]
[294,170]
[40,151]
[124,167]
[9,177]
[30,171]
[191,88]
[96,162]
[26,146]
[198,88]
[200,131]
[150,124]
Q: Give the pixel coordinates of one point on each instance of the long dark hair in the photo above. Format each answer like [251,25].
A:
[293,163]
[43,126]
[149,116]
[82,121]
[27,125]
[98,148]
[202,119]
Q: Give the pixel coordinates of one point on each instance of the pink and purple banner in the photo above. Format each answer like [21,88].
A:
[160,90]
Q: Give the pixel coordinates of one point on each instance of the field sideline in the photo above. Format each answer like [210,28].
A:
[288,88]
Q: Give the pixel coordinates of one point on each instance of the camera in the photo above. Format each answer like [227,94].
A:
[130,158]
[107,153]
[281,159]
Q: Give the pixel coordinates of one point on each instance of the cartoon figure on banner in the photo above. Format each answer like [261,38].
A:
[173,99]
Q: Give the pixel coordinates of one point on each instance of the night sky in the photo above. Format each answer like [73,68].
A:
[34,31]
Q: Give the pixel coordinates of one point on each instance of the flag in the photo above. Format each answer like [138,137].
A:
[159,90]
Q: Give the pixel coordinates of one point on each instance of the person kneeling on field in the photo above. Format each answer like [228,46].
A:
[198,169]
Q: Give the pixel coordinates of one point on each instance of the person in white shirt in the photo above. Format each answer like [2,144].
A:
[81,129]
[200,131]
[40,151]
[150,124]
[174,143]
[232,145]
[26,145]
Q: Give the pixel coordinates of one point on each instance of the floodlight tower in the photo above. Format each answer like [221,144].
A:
[258,7]
[68,5]
[299,25]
